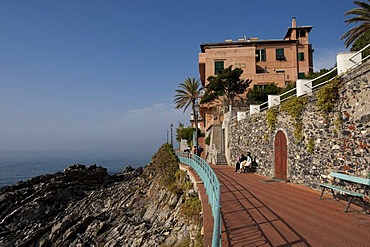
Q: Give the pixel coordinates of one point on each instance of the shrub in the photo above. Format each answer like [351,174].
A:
[271,118]
[328,96]
[166,163]
[294,107]
[192,208]
[310,146]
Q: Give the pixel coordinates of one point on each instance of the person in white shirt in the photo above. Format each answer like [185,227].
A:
[247,163]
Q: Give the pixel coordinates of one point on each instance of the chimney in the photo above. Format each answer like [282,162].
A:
[294,22]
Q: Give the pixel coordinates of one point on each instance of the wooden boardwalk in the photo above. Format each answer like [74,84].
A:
[259,211]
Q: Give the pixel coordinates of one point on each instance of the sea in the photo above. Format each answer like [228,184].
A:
[18,166]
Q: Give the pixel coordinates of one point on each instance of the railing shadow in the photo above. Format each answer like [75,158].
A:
[253,223]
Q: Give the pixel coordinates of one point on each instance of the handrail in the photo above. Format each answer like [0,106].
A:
[212,186]
[295,88]
[360,51]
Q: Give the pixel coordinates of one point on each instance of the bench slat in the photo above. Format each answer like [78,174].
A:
[352,193]
[350,178]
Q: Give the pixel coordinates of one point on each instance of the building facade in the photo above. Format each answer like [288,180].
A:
[280,61]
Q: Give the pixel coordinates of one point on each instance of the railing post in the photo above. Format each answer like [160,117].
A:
[273,100]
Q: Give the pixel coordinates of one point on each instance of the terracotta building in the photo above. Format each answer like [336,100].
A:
[280,61]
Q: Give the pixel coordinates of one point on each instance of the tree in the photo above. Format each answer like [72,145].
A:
[362,15]
[226,83]
[188,94]
[361,42]
[185,133]
[259,94]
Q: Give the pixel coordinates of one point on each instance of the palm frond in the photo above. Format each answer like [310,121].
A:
[362,16]
[187,93]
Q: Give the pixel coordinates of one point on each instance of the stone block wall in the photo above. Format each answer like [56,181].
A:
[340,140]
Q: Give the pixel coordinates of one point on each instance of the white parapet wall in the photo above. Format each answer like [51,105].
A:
[253,109]
[347,60]
[273,100]
[241,115]
[304,87]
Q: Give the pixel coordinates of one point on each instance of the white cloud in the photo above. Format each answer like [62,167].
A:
[143,128]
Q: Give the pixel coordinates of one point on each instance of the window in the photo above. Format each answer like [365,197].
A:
[300,56]
[301,33]
[301,75]
[261,55]
[219,67]
[280,54]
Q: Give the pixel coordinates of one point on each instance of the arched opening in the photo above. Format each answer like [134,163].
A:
[281,154]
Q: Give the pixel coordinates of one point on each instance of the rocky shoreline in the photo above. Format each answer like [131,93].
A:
[85,206]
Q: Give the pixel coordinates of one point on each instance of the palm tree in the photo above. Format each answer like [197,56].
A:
[187,95]
[362,16]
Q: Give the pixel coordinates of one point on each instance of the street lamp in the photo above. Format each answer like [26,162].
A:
[167,136]
[196,111]
[171,126]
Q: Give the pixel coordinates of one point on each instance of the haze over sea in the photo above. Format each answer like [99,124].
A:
[23,165]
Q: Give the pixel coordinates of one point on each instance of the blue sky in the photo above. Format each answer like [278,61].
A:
[101,75]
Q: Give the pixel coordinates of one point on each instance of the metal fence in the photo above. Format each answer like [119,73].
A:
[212,186]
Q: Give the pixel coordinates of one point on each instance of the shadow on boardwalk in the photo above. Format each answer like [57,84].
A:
[257,211]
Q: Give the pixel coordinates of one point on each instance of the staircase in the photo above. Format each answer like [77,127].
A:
[221,159]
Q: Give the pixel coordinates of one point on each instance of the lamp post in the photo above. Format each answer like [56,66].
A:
[167,136]
[196,111]
[171,126]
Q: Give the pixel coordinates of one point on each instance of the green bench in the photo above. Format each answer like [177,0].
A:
[349,194]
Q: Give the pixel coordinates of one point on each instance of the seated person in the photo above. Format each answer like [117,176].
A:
[246,164]
[241,158]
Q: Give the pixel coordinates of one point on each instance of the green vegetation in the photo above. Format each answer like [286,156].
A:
[294,107]
[187,94]
[192,208]
[259,93]
[185,133]
[327,96]
[322,79]
[360,15]
[287,88]
[166,165]
[361,42]
[338,122]
[298,131]
[271,118]
[226,83]
[310,146]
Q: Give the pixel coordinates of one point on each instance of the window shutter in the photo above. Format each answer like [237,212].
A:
[280,54]
[300,56]
[219,67]
[263,54]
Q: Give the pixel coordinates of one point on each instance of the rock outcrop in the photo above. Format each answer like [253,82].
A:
[85,206]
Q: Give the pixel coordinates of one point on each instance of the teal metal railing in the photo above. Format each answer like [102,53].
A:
[212,186]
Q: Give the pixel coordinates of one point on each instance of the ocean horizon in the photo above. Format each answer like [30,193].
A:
[18,166]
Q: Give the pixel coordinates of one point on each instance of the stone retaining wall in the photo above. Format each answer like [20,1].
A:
[340,141]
